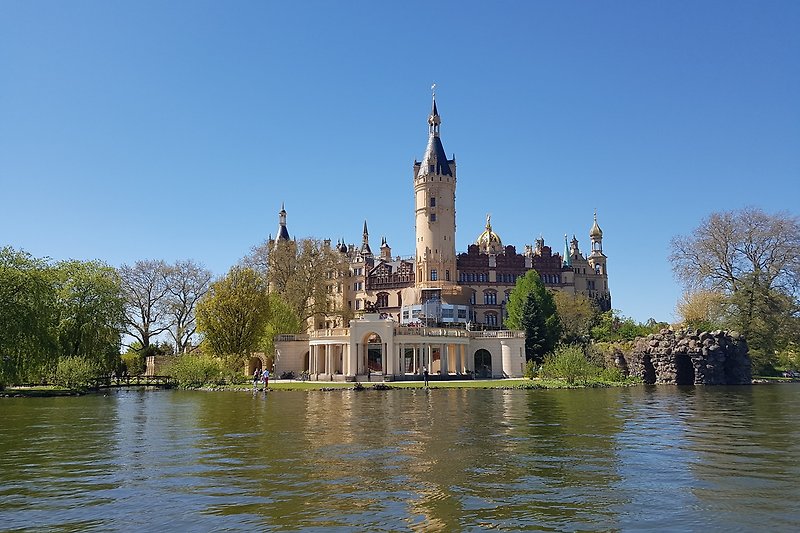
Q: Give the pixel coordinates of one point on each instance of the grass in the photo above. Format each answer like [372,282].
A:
[522,383]
[36,391]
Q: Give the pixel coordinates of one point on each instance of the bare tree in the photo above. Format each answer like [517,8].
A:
[186,283]
[145,290]
[732,248]
[750,261]
[304,273]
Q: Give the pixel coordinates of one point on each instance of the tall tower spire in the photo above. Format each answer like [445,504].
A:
[435,198]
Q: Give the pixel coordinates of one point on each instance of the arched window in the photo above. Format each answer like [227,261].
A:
[491,319]
[472,298]
[382,299]
[490,297]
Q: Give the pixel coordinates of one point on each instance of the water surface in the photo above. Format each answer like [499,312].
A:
[705,458]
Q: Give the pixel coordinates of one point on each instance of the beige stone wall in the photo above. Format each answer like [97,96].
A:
[291,355]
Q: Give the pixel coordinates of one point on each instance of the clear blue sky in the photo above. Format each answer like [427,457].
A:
[133,130]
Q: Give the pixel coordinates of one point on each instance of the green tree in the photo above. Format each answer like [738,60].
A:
[531,308]
[703,309]
[577,314]
[90,313]
[282,320]
[27,317]
[233,315]
[612,326]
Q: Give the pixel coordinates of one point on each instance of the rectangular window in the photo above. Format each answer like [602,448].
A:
[447,275]
[434,275]
[447,312]
[433,217]
[358,304]
[433,201]
[462,313]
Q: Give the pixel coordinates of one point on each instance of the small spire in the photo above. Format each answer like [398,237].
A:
[365,249]
[567,254]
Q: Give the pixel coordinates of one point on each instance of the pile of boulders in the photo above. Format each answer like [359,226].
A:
[689,357]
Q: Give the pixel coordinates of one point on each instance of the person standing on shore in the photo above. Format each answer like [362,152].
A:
[425,375]
[265,378]
[256,378]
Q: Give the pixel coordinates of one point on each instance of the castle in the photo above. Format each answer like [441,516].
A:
[437,310]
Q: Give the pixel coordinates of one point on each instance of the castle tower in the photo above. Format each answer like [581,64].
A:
[597,259]
[434,201]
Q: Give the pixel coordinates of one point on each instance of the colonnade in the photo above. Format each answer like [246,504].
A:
[397,358]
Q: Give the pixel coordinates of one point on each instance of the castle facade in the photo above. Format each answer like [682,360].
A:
[438,310]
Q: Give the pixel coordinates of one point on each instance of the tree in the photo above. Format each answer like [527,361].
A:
[733,248]
[577,314]
[90,313]
[145,290]
[613,326]
[233,314]
[753,259]
[186,283]
[704,309]
[301,273]
[282,319]
[532,309]
[27,317]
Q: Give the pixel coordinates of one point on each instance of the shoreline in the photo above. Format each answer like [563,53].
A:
[328,386]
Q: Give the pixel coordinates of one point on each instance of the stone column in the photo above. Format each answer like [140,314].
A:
[443,356]
[328,359]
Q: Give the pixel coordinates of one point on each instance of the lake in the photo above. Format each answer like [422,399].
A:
[645,457]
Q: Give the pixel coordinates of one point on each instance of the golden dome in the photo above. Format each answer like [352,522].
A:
[489,241]
[595,232]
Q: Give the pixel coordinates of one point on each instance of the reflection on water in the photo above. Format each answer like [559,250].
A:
[604,459]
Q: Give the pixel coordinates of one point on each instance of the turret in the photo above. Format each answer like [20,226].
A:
[386,251]
[597,259]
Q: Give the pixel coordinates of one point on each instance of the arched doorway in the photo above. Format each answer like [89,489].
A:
[374,349]
[684,370]
[483,364]
[254,364]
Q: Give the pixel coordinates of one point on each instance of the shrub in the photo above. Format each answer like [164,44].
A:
[193,372]
[531,369]
[568,363]
[233,376]
[134,363]
[75,373]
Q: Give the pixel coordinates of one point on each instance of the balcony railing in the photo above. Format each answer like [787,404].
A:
[330,332]
[291,337]
[431,332]
[501,334]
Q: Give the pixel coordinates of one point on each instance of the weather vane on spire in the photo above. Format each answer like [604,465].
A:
[433,90]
